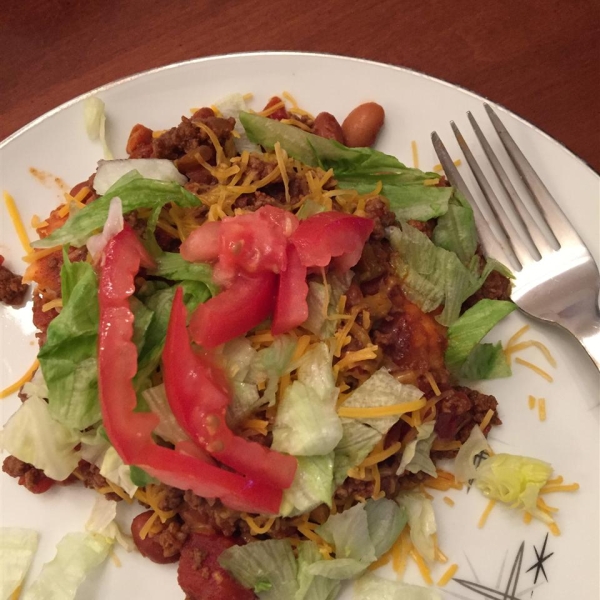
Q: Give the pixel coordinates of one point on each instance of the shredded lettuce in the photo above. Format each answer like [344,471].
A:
[355,168]
[17,549]
[231,106]
[465,461]
[318,321]
[172,265]
[307,422]
[432,276]
[94,117]
[514,480]
[360,436]
[313,587]
[465,334]
[135,192]
[102,520]
[455,230]
[371,587]
[421,520]
[77,554]
[168,428]
[33,436]
[268,567]
[68,358]
[309,208]
[312,485]
[416,456]
[157,169]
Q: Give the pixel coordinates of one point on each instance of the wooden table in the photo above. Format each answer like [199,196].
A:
[539,59]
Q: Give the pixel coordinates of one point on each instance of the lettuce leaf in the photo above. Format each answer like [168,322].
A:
[102,520]
[307,422]
[465,334]
[421,520]
[135,192]
[157,169]
[268,567]
[77,554]
[416,456]
[360,436]
[17,549]
[35,437]
[455,230]
[312,485]
[371,587]
[171,265]
[432,276]
[355,168]
[386,520]
[313,587]
[68,358]
[94,117]
[465,461]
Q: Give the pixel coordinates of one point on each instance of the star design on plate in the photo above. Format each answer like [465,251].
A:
[542,557]
[509,592]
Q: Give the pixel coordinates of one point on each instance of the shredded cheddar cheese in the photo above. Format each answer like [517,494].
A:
[17,222]
[422,566]
[56,303]
[17,385]
[520,333]
[532,344]
[258,529]
[378,456]
[39,254]
[145,530]
[448,500]
[415,154]
[272,109]
[534,368]
[554,530]
[486,420]
[549,489]
[448,575]
[542,409]
[486,514]
[374,412]
[527,518]
[439,167]
[432,382]
[281,156]
[531,401]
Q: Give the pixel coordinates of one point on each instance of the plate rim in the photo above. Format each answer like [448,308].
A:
[267,53]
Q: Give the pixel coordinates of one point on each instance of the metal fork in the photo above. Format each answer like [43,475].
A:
[556,280]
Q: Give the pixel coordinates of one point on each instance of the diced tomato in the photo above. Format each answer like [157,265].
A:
[280,113]
[291,308]
[202,245]
[200,575]
[199,396]
[234,311]
[131,432]
[331,234]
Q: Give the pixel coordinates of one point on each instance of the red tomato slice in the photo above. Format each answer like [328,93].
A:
[331,234]
[131,432]
[291,308]
[202,245]
[198,396]
[235,311]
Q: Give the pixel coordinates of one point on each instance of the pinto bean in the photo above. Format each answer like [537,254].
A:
[327,126]
[362,125]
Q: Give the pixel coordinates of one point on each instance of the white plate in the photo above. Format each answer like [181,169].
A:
[415,105]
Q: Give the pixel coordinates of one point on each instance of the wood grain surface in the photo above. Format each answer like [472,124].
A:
[539,58]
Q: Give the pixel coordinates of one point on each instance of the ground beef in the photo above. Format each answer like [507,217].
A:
[187,137]
[91,478]
[495,287]
[171,498]
[377,208]
[208,516]
[171,538]
[460,410]
[351,488]
[12,290]
[31,478]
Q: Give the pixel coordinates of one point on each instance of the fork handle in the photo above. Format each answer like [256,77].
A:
[583,321]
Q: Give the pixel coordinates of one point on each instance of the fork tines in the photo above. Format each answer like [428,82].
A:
[509,245]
